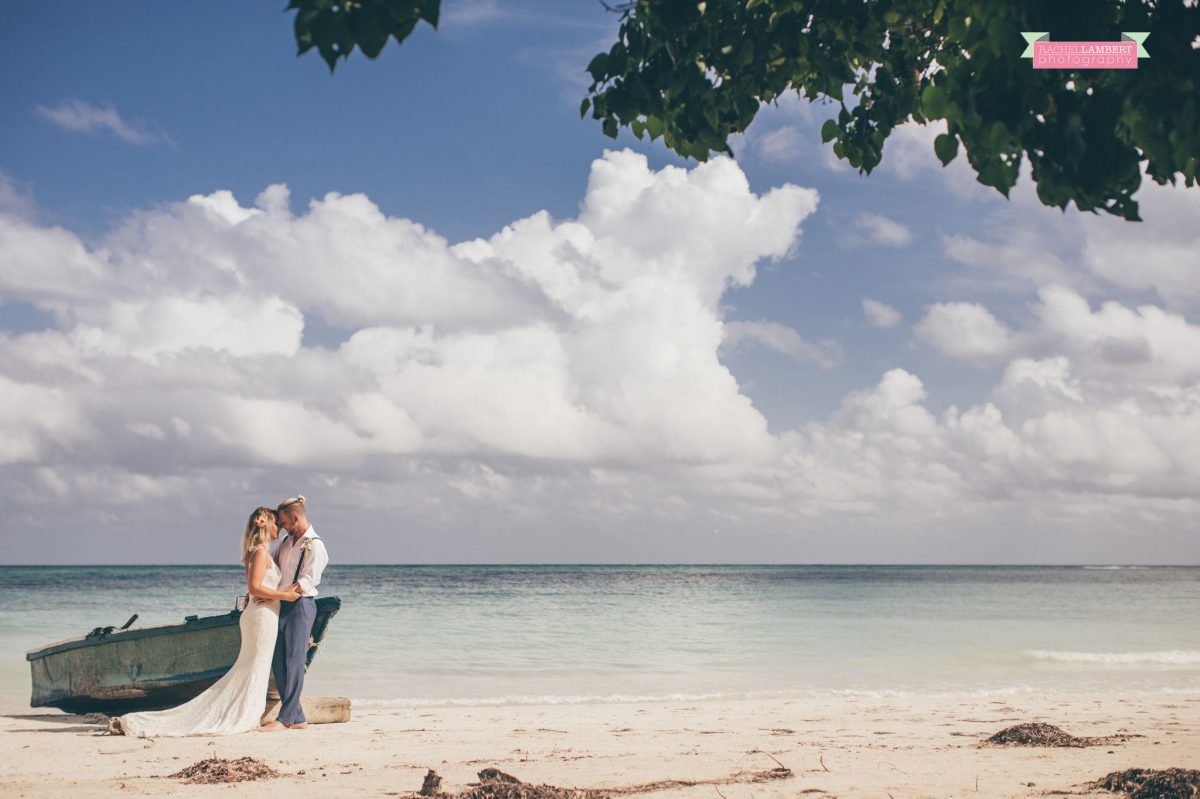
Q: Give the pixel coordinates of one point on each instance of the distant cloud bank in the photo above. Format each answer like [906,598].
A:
[560,369]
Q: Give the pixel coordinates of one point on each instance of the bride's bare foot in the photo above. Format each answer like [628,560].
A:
[271,726]
[303,725]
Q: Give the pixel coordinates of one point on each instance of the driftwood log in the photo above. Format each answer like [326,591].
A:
[317,709]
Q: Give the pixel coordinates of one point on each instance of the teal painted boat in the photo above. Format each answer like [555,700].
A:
[146,668]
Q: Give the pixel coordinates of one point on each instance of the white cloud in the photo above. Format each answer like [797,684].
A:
[1160,254]
[874,229]
[559,374]
[964,330]
[1012,249]
[84,117]
[908,151]
[1094,402]
[39,263]
[880,314]
[14,201]
[793,142]
[788,131]
[242,326]
[1025,258]
[33,418]
[1114,342]
[782,339]
[908,154]
[781,144]
[1059,446]
[461,13]
[593,338]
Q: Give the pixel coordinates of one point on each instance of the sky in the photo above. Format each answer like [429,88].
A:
[471,329]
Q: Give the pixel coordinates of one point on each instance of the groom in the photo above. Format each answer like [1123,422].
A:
[301,558]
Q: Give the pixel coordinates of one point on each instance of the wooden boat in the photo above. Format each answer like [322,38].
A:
[146,668]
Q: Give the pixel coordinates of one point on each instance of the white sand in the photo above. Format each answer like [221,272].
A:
[871,748]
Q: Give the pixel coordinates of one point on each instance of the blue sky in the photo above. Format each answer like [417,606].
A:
[471,128]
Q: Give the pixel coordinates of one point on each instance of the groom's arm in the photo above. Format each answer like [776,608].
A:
[314,564]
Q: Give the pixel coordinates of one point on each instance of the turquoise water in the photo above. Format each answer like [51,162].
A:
[429,635]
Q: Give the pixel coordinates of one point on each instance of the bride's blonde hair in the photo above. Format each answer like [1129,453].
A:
[256,533]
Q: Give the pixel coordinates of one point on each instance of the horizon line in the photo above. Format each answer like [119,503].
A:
[641,563]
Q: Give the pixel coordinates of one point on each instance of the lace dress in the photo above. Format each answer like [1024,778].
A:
[234,703]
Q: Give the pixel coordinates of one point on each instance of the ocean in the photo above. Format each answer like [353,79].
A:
[413,636]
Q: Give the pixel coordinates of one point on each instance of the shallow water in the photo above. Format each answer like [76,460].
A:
[430,635]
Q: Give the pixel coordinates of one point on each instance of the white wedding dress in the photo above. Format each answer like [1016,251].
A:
[234,703]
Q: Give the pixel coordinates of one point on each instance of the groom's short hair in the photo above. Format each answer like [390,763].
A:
[291,503]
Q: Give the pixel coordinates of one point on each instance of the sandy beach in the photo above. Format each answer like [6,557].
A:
[852,746]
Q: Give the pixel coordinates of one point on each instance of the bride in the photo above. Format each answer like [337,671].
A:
[236,702]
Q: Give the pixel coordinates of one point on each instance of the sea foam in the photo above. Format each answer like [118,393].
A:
[1177,657]
[547,699]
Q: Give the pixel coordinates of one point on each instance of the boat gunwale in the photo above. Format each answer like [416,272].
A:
[333,604]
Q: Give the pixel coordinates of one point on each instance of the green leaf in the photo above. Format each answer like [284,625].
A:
[402,30]
[369,30]
[745,55]
[617,58]
[598,67]
[933,102]
[946,147]
[1089,149]
[995,174]
[431,11]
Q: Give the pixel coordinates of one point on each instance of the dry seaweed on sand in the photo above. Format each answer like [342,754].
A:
[780,773]
[432,785]
[1038,734]
[1144,783]
[496,784]
[218,770]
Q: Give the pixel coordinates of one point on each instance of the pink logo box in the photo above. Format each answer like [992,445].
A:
[1123,54]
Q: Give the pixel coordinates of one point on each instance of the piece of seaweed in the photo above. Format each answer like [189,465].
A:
[1038,734]
[1144,783]
[218,770]
[496,784]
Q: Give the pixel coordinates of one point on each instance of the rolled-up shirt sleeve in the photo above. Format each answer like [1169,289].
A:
[310,571]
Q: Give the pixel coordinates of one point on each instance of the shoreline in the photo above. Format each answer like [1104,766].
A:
[834,746]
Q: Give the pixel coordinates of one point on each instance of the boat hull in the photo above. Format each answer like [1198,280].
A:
[146,668]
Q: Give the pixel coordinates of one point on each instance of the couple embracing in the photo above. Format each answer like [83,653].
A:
[275,627]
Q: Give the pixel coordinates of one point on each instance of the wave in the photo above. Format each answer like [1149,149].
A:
[547,699]
[615,699]
[1112,568]
[976,693]
[931,693]
[1177,657]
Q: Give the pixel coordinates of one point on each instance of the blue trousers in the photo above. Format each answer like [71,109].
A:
[291,646]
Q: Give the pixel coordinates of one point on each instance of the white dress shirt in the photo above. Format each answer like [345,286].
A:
[315,561]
